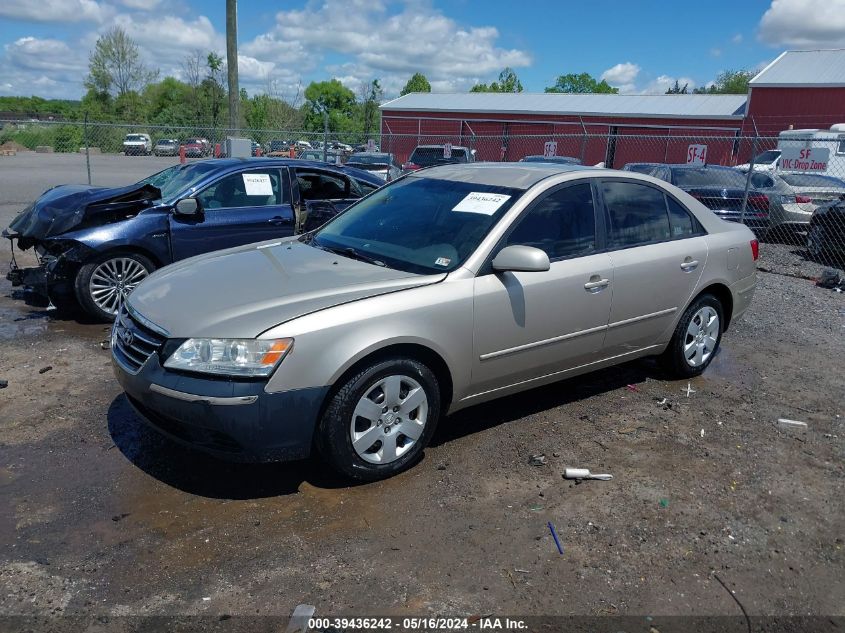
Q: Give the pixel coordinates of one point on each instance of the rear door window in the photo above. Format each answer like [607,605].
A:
[315,184]
[635,213]
[681,221]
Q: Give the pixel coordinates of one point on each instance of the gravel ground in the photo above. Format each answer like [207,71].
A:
[106,518]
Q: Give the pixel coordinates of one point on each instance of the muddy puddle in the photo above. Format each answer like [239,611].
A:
[16,323]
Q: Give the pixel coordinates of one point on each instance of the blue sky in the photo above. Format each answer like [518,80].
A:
[638,46]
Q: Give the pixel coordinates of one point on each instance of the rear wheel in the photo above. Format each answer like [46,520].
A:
[380,420]
[696,338]
[815,242]
[103,284]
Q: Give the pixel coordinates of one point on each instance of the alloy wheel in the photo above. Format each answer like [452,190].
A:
[389,419]
[113,280]
[701,337]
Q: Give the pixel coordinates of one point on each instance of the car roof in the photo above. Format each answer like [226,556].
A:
[272,161]
[441,145]
[519,175]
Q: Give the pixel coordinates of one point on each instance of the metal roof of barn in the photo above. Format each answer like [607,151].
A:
[821,68]
[647,106]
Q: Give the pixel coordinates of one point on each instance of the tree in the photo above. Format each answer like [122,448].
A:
[729,82]
[192,67]
[677,89]
[212,86]
[417,83]
[332,97]
[582,84]
[371,96]
[114,66]
[232,61]
[508,82]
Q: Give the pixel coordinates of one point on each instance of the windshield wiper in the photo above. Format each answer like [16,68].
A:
[353,253]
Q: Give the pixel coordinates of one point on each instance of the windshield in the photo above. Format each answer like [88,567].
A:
[769,156]
[174,181]
[134,137]
[419,225]
[812,180]
[708,178]
[566,160]
[427,156]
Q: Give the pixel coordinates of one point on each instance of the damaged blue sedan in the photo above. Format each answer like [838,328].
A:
[95,245]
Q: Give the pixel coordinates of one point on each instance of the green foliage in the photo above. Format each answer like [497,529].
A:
[114,66]
[29,107]
[508,82]
[677,89]
[729,82]
[332,97]
[582,84]
[417,83]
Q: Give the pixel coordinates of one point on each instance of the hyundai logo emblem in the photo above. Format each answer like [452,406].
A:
[126,336]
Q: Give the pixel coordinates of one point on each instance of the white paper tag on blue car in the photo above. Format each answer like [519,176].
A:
[479,202]
[258,185]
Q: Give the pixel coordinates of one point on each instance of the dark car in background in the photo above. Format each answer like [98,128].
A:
[720,189]
[95,244]
[331,156]
[826,235]
[560,160]
[381,164]
[166,147]
[429,155]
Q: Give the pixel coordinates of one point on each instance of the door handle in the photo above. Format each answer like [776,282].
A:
[279,220]
[597,284]
[689,264]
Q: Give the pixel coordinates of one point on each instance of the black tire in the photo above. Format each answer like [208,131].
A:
[83,280]
[334,441]
[673,360]
[816,238]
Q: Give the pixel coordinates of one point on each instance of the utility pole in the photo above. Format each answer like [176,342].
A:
[232,62]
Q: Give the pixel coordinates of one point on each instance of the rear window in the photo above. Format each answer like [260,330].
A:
[708,178]
[427,156]
[769,156]
[812,180]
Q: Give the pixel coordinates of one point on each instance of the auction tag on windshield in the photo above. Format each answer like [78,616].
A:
[442,261]
[477,202]
[258,184]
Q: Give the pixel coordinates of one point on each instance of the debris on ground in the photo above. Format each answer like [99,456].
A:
[44,370]
[831,280]
[702,433]
[632,387]
[796,424]
[4,384]
[537,460]
[689,390]
[584,473]
[554,536]
[300,618]
[663,503]
[106,344]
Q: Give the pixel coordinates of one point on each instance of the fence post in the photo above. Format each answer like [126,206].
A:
[325,135]
[583,140]
[85,137]
[748,176]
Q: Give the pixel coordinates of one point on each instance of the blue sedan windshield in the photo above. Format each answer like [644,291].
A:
[175,181]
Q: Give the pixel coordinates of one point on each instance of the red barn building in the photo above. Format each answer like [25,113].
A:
[802,89]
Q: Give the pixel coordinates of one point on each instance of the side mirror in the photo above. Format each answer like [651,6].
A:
[188,206]
[520,258]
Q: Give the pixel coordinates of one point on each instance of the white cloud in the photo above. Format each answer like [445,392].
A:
[390,46]
[141,5]
[804,23]
[622,76]
[715,52]
[32,53]
[662,83]
[737,39]
[55,10]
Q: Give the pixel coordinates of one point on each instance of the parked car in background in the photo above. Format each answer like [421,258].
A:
[364,147]
[381,164]
[196,148]
[166,147]
[256,148]
[317,154]
[826,235]
[561,160]
[428,155]
[794,197]
[137,145]
[764,161]
[95,244]
[447,288]
[720,189]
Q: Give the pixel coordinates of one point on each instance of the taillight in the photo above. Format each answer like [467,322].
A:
[758,202]
[755,249]
[803,199]
[409,166]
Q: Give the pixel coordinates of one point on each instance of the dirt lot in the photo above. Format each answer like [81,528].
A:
[103,517]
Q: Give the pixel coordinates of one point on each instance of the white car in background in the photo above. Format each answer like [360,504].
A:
[137,144]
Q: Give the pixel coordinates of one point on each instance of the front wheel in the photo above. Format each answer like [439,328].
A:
[379,421]
[696,338]
[103,284]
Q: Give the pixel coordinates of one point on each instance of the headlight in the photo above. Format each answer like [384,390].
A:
[230,357]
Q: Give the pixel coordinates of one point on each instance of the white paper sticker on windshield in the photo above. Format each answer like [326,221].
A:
[442,261]
[258,184]
[478,202]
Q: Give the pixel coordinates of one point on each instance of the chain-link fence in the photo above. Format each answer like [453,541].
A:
[788,188]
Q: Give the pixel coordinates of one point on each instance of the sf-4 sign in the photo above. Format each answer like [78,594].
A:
[697,155]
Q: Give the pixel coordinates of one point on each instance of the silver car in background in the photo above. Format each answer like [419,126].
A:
[449,287]
[381,164]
